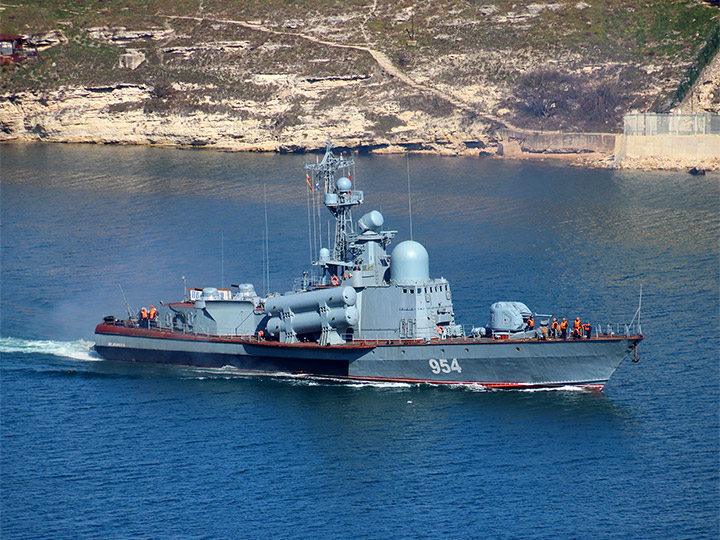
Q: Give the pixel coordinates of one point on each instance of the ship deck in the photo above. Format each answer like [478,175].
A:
[121,328]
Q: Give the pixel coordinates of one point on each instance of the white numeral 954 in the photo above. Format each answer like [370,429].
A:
[442,365]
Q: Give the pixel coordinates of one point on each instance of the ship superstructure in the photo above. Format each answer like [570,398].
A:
[366,312]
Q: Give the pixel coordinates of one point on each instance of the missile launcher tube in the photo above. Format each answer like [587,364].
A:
[312,321]
[311,301]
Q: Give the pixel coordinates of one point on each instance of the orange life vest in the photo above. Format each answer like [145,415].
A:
[577,324]
[563,325]
[531,323]
[555,325]
[143,313]
[153,312]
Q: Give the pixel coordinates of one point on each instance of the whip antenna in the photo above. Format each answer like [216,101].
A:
[407,158]
[266,276]
[127,305]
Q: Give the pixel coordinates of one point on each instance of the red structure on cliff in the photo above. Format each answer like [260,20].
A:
[11,48]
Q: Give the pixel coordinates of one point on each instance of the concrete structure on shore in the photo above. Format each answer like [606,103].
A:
[688,139]
[557,142]
[656,141]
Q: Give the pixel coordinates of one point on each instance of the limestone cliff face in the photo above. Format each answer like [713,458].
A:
[124,114]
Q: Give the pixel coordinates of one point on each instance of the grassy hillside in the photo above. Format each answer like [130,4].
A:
[568,65]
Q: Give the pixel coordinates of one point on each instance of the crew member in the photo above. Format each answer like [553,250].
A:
[143,318]
[577,328]
[530,323]
[152,316]
[554,327]
[588,330]
[563,328]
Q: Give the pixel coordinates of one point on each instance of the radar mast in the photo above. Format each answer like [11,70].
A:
[339,199]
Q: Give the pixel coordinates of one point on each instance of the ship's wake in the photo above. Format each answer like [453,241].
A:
[76,350]
[296,379]
[304,379]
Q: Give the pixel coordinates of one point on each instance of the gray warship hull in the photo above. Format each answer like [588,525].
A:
[520,364]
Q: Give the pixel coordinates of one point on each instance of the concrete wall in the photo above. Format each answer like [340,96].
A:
[680,146]
[561,143]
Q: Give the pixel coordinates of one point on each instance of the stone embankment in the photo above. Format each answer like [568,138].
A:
[669,151]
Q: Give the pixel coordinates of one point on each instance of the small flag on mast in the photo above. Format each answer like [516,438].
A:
[307,179]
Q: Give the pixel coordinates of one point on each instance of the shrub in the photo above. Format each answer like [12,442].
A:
[545,92]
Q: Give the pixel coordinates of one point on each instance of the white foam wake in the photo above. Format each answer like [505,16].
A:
[77,350]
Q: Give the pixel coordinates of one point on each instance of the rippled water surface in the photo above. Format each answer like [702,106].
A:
[94,449]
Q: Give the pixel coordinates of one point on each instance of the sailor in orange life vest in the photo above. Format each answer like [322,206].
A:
[143,318]
[554,328]
[530,324]
[588,330]
[563,328]
[577,328]
[152,316]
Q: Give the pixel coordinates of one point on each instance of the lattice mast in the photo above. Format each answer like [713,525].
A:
[339,198]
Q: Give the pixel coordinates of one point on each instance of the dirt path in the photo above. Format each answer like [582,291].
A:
[380,58]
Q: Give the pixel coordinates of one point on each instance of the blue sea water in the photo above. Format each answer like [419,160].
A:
[93,449]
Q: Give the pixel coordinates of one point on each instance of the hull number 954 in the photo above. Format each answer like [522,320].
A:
[444,366]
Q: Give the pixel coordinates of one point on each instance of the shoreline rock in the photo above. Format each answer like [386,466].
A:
[117,115]
[134,114]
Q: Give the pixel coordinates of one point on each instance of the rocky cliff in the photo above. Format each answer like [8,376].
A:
[384,77]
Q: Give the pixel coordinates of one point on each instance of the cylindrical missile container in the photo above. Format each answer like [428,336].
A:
[311,300]
[313,321]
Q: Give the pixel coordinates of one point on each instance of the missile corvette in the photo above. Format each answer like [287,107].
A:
[366,312]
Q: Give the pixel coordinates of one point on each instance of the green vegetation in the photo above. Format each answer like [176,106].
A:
[575,65]
[704,57]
